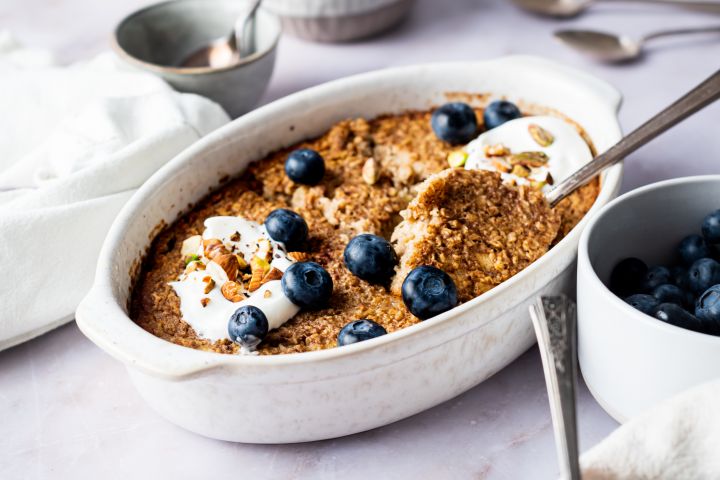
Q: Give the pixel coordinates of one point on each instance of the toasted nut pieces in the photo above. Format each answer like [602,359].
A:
[229,263]
[497,150]
[371,171]
[232,291]
[209,284]
[298,256]
[529,159]
[541,136]
[259,267]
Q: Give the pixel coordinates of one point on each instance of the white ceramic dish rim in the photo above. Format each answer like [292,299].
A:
[601,289]
[155,67]
[120,344]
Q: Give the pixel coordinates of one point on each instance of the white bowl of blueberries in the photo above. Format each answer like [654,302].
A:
[649,294]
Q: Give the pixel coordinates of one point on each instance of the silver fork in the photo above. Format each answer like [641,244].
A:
[555,322]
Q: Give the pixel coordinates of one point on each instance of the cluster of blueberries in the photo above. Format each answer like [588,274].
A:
[455,123]
[426,291]
[686,295]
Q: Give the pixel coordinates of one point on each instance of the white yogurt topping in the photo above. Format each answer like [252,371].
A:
[566,154]
[211,321]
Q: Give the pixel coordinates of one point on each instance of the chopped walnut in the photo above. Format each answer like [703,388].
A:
[298,256]
[204,302]
[232,291]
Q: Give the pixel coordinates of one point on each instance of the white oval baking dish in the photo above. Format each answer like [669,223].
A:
[330,393]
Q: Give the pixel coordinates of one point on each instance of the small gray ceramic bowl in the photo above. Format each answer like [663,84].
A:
[630,360]
[159,37]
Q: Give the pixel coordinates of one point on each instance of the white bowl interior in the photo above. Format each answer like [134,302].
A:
[631,360]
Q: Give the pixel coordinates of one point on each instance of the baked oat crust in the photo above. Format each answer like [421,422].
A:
[404,151]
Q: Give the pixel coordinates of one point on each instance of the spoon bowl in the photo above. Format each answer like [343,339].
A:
[230,48]
[602,46]
[571,8]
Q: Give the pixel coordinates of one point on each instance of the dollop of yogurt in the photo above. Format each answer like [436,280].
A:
[209,318]
[567,152]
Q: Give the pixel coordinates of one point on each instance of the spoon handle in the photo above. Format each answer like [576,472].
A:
[681,31]
[555,323]
[706,6]
[698,98]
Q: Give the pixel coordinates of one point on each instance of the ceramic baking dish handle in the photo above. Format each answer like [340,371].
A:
[101,319]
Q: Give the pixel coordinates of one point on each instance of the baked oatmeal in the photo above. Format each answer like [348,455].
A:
[373,171]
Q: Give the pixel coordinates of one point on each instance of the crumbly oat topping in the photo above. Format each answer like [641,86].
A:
[405,151]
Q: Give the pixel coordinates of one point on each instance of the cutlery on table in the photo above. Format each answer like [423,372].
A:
[555,322]
[608,47]
[229,49]
[693,101]
[570,8]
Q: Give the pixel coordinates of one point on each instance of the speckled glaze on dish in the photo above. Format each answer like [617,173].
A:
[336,392]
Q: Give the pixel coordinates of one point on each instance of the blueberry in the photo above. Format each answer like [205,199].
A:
[305,166]
[692,248]
[643,302]
[428,291]
[358,331]
[655,276]
[371,258]
[703,274]
[287,227]
[454,123]
[711,227]
[248,326]
[678,316]
[707,309]
[627,276]
[307,285]
[667,293]
[679,277]
[499,112]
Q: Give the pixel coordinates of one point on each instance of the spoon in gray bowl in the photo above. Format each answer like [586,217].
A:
[608,47]
[571,8]
[227,50]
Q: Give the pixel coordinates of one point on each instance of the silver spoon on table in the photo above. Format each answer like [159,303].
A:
[570,8]
[555,325]
[229,49]
[608,47]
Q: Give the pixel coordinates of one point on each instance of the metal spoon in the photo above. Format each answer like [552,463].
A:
[227,50]
[608,47]
[697,98]
[555,325]
[570,8]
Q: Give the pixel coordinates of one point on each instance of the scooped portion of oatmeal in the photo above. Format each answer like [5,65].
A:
[475,228]
[351,187]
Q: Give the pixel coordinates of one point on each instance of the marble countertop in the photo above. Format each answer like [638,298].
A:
[69,411]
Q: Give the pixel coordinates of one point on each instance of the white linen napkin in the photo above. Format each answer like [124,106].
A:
[677,439]
[75,144]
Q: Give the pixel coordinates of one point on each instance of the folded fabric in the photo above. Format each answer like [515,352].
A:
[677,439]
[77,142]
